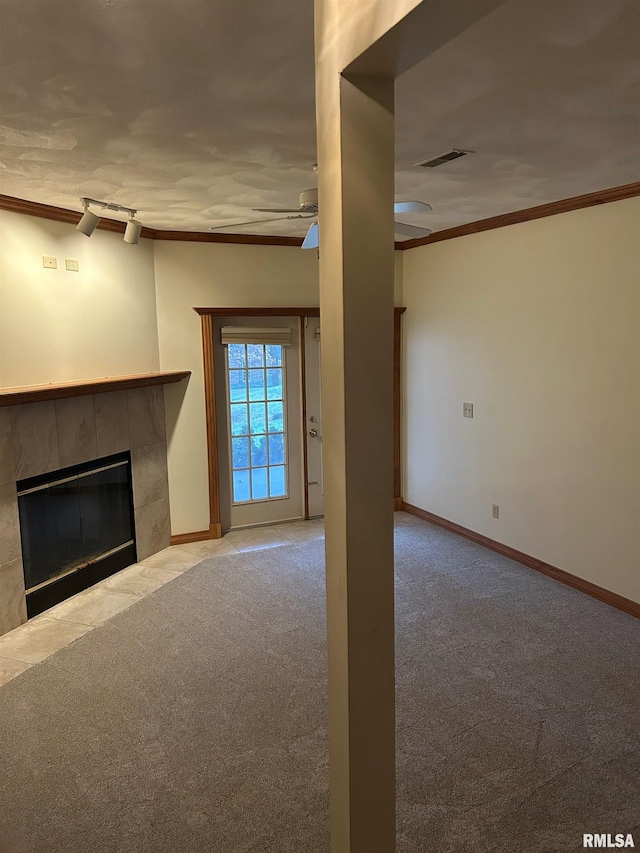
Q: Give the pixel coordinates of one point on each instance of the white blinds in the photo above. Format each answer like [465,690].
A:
[256,335]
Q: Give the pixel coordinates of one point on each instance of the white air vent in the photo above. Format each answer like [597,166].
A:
[447,157]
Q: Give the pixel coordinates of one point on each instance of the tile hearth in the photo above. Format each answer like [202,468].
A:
[37,438]
[41,637]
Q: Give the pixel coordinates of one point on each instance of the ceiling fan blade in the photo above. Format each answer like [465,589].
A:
[277,209]
[411,207]
[311,241]
[410,230]
[257,222]
[250,222]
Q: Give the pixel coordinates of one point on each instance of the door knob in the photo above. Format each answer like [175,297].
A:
[313,433]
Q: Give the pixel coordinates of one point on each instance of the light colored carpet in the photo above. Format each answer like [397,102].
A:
[196,719]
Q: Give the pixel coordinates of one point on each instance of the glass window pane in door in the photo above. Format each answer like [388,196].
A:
[276,417]
[255,355]
[273,355]
[276,449]
[239,419]
[277,481]
[258,451]
[258,418]
[256,384]
[274,384]
[238,386]
[240,452]
[259,489]
[241,486]
[237,355]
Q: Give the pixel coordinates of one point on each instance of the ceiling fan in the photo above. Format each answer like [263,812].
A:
[308,209]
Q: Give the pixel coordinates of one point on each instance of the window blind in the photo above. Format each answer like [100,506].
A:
[256,335]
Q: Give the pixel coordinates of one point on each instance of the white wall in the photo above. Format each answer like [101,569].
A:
[538,325]
[218,275]
[57,325]
[211,275]
[101,321]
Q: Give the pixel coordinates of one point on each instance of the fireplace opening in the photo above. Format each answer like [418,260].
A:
[77,528]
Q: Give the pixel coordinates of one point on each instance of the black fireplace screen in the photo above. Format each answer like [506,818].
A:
[73,518]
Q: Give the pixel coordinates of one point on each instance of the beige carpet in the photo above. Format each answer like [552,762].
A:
[196,720]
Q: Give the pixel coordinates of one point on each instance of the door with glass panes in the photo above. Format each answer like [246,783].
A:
[259,414]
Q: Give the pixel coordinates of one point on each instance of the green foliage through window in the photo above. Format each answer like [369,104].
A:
[257,415]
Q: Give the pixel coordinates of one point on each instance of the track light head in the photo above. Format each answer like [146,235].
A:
[132,231]
[89,221]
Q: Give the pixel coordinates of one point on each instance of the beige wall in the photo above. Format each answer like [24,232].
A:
[57,325]
[538,325]
[215,275]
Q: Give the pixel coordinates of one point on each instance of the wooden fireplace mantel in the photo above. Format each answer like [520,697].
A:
[79,388]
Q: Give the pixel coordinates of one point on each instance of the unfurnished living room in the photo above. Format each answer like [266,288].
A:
[319,426]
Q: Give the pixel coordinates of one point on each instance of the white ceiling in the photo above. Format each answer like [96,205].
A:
[195,112]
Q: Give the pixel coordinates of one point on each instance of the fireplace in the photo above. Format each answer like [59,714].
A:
[76,528]
[64,435]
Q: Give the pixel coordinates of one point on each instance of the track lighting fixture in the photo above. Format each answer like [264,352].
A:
[132,231]
[89,221]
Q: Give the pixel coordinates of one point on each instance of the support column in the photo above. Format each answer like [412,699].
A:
[360,49]
[356,304]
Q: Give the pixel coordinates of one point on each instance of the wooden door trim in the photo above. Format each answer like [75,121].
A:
[213,463]
[397,408]
[303,378]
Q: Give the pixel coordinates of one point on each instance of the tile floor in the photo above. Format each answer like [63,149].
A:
[71,619]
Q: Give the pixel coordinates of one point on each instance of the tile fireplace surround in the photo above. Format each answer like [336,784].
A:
[36,438]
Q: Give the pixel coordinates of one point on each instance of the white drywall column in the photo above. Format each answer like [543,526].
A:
[356,185]
[360,48]
[356,307]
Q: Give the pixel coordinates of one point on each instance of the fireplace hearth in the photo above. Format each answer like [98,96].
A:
[62,435]
[76,528]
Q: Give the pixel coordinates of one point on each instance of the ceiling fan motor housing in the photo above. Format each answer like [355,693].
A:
[309,200]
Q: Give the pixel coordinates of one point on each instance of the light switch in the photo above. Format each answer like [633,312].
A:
[49,262]
[467,410]
[72,265]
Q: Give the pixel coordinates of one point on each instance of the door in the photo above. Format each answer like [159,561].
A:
[259,416]
[313,410]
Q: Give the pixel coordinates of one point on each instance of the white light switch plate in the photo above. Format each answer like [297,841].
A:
[467,410]
[72,264]
[49,262]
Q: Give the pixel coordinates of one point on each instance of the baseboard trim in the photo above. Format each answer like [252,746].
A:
[184,538]
[592,589]
[398,504]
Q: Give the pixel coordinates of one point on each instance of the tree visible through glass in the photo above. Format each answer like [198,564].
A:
[258,434]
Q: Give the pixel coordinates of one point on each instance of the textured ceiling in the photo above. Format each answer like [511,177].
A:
[195,112]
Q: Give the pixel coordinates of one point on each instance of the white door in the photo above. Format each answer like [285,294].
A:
[313,426]
[259,416]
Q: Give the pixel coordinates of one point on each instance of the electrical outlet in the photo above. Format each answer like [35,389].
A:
[495,512]
[467,410]
[49,262]
[72,265]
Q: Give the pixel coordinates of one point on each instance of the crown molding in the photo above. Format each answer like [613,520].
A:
[562,206]
[61,214]
[72,217]
[212,237]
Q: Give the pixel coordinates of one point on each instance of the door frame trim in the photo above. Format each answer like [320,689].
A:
[213,461]
[303,379]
